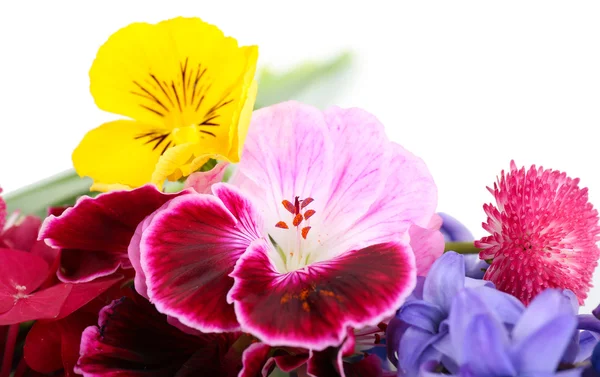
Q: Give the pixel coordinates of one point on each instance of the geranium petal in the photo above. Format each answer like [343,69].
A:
[428,246]
[2,212]
[323,363]
[83,293]
[133,339]
[39,305]
[21,235]
[362,152]
[95,233]
[202,181]
[20,274]
[288,153]
[51,346]
[287,362]
[444,280]
[254,359]
[409,197]
[329,362]
[42,347]
[312,307]
[188,251]
[133,252]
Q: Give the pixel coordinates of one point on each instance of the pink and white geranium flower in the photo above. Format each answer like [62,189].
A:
[310,237]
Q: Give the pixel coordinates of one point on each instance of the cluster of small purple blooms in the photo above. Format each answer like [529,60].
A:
[456,323]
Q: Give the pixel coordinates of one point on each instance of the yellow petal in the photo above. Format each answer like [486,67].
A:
[175,74]
[177,162]
[122,153]
[239,135]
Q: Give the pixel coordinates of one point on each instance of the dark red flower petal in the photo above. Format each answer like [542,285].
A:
[43,304]
[312,307]
[95,233]
[83,293]
[52,346]
[20,274]
[287,362]
[72,328]
[369,366]
[22,235]
[42,347]
[2,212]
[188,251]
[133,339]
[329,362]
[254,360]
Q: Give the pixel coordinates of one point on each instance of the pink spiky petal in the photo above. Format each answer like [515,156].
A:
[543,234]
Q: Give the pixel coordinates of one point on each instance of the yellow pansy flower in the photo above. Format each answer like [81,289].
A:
[189,92]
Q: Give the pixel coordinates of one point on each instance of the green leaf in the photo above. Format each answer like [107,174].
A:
[58,190]
[305,82]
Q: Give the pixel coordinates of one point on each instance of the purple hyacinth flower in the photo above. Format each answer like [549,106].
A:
[595,359]
[482,346]
[419,332]
[453,230]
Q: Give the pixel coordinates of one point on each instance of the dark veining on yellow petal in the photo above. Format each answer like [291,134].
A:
[155,139]
[186,92]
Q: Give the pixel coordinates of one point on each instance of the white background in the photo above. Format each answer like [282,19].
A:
[466,85]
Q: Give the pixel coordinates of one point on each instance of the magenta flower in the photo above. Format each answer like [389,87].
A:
[94,234]
[543,234]
[313,240]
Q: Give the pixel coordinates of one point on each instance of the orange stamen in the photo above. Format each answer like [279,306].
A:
[306,202]
[282,225]
[305,231]
[297,219]
[309,213]
[289,206]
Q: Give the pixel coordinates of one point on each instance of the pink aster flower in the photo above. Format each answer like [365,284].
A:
[310,238]
[543,234]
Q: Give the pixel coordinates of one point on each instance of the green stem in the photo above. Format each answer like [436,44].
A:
[60,189]
[461,247]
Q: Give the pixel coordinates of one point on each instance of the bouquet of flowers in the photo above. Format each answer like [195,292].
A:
[221,235]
